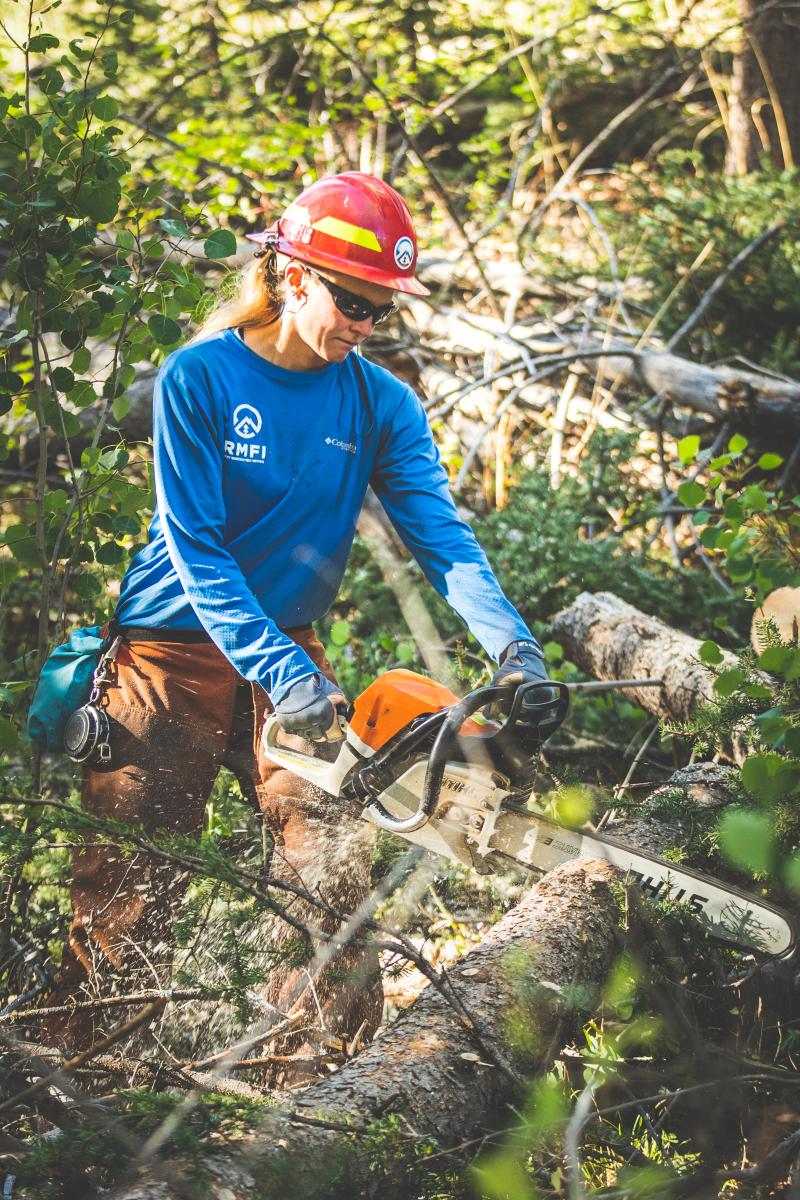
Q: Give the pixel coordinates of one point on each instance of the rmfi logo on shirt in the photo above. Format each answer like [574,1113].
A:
[247,421]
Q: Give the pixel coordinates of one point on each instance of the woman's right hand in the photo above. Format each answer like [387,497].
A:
[309,709]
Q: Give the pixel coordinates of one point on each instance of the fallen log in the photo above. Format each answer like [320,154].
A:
[610,639]
[527,982]
[741,397]
[744,398]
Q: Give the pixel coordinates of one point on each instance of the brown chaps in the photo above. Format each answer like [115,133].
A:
[180,711]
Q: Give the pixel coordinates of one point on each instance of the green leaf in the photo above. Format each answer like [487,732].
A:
[87,586]
[747,839]
[709,537]
[42,41]
[740,567]
[114,460]
[499,1176]
[120,407]
[109,554]
[24,548]
[153,248]
[768,462]
[63,379]
[791,668]
[773,726]
[81,360]
[83,394]
[109,63]
[165,331]
[754,498]
[406,651]
[50,81]
[691,494]
[340,632]
[728,681]
[221,244]
[105,107]
[791,740]
[738,444]
[574,807]
[124,526]
[553,652]
[10,383]
[769,775]
[734,510]
[711,653]
[99,200]
[173,228]
[80,52]
[775,658]
[688,447]
[757,691]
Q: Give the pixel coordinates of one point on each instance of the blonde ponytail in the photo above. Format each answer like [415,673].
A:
[255,297]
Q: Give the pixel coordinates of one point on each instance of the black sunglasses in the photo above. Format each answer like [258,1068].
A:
[353,306]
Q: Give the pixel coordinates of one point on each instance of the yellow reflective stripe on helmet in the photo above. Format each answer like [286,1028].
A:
[334,227]
[348,233]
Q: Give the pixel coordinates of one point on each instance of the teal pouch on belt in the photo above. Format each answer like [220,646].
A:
[65,683]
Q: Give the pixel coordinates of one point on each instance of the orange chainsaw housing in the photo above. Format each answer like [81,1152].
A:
[393,701]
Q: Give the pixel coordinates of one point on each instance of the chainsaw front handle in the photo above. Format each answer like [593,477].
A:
[523,709]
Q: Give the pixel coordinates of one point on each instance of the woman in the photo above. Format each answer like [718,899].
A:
[267,429]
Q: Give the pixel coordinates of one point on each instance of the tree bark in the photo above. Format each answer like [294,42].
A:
[765,90]
[527,982]
[610,639]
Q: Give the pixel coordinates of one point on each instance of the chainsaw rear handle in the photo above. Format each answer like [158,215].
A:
[453,719]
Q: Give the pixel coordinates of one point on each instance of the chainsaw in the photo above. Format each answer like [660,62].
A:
[413,759]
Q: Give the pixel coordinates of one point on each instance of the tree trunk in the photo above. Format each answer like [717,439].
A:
[610,639]
[765,91]
[527,982]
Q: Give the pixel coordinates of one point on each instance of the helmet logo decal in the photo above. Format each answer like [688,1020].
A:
[247,421]
[404,253]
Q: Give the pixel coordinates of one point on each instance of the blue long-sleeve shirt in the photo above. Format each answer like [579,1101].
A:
[260,476]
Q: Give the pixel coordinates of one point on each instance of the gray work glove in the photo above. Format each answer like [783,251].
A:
[308,709]
[523,662]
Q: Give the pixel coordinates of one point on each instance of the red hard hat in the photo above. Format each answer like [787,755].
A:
[353,223]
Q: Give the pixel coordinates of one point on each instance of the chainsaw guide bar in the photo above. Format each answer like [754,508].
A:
[421,763]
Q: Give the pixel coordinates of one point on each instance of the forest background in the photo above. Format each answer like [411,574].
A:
[608,208]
